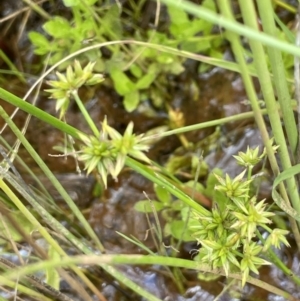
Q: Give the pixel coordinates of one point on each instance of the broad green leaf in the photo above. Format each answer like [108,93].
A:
[177,205]
[198,186]
[199,45]
[178,16]
[174,68]
[112,23]
[177,227]
[40,42]
[165,58]
[147,206]
[136,70]
[131,101]
[70,3]
[209,4]
[162,194]
[90,2]
[86,29]
[175,163]
[146,81]
[58,27]
[122,82]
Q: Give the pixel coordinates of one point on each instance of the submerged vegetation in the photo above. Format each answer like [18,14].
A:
[230,230]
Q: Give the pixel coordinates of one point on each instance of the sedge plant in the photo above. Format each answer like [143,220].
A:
[229,234]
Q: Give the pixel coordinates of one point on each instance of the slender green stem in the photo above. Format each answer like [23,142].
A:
[85,114]
[234,26]
[12,67]
[58,227]
[238,52]
[203,125]
[250,18]
[278,70]
[249,173]
[160,180]
[138,260]
[52,178]
[37,9]
[55,122]
[23,289]
[40,114]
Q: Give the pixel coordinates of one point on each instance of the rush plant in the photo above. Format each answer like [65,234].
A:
[228,236]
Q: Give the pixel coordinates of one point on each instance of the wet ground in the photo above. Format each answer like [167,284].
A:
[220,94]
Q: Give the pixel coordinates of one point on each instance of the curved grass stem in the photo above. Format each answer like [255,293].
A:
[85,114]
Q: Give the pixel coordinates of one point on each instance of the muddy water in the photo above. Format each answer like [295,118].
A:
[220,94]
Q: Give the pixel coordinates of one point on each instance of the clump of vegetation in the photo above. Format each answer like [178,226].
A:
[228,234]
[137,74]
[234,236]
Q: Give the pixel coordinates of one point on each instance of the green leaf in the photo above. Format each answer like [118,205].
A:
[112,22]
[199,45]
[186,213]
[177,15]
[209,4]
[162,194]
[57,56]
[177,205]
[165,58]
[90,2]
[40,42]
[136,70]
[177,227]
[147,206]
[58,27]
[146,81]
[121,81]
[174,163]
[288,33]
[131,101]
[70,3]
[86,29]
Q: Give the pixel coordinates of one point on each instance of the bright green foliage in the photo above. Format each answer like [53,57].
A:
[71,81]
[250,261]
[78,2]
[233,188]
[275,238]
[107,153]
[136,73]
[186,31]
[228,235]
[250,158]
